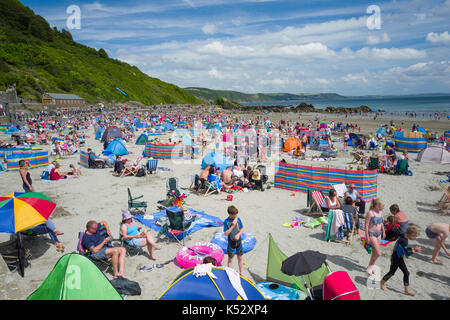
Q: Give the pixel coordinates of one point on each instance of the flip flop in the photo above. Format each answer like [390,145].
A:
[158,265]
[145,268]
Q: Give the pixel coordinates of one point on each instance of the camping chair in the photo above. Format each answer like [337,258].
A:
[97,163]
[444,202]
[176,227]
[105,263]
[152,165]
[315,200]
[373,164]
[172,187]
[137,205]
[131,250]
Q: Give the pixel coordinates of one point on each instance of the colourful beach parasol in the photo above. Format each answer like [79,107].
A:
[21,211]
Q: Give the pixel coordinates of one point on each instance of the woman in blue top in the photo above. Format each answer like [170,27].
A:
[135,238]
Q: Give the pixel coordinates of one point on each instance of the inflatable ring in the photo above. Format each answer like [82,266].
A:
[248,241]
[190,256]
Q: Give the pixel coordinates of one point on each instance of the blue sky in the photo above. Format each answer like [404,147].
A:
[272,45]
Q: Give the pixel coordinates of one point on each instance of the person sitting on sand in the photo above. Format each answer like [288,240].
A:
[134,238]
[437,233]
[392,229]
[101,247]
[227,179]
[402,249]
[56,174]
[74,171]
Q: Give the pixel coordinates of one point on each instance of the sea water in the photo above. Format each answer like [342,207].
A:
[400,104]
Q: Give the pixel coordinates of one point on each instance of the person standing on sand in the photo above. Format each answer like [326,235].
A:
[374,229]
[437,233]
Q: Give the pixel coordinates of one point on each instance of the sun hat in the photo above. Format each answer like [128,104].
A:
[126,215]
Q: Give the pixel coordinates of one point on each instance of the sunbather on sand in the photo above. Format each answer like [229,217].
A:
[227,178]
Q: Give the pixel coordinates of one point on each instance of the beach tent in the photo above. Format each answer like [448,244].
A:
[434,154]
[216,159]
[142,139]
[116,147]
[75,277]
[274,274]
[99,133]
[111,132]
[381,131]
[189,287]
[291,144]
[420,129]
[168,126]
[11,130]
[353,138]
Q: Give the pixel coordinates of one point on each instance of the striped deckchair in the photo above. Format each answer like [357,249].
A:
[318,198]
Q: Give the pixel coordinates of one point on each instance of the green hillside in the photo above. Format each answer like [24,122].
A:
[41,59]
[211,95]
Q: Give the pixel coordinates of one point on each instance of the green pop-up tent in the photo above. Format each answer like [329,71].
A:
[274,274]
[75,277]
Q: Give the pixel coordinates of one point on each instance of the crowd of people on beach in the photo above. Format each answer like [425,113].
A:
[67,125]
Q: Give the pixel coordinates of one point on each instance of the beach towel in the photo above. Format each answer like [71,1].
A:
[338,222]
[235,281]
[202,220]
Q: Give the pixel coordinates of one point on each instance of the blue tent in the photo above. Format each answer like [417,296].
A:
[168,126]
[142,140]
[99,133]
[353,139]
[116,147]
[381,131]
[420,129]
[216,159]
[189,287]
[12,130]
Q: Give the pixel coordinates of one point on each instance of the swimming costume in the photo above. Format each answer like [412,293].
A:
[430,234]
[376,220]
[375,234]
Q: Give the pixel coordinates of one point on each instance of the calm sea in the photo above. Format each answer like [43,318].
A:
[423,104]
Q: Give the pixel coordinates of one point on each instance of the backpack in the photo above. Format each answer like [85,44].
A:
[141,172]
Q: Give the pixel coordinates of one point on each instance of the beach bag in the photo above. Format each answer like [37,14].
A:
[45,175]
[410,173]
[140,172]
[126,286]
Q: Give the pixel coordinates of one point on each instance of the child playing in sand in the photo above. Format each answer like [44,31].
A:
[233,229]
[374,229]
[74,171]
[401,249]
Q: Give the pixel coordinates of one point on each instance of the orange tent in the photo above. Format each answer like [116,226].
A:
[291,144]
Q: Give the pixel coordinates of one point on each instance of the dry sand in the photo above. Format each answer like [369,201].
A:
[99,195]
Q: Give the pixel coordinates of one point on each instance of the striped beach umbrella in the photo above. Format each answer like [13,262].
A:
[21,211]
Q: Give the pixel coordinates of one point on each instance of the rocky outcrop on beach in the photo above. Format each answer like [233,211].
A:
[363,109]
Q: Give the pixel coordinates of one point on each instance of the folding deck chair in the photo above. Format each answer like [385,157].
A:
[315,200]
[210,189]
[348,228]
[152,165]
[357,158]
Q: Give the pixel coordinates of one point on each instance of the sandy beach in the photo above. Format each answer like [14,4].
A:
[99,195]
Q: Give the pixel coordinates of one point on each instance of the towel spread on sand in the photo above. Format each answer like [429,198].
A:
[338,221]
[235,281]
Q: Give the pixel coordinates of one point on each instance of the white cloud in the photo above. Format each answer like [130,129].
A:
[209,28]
[439,38]
[373,39]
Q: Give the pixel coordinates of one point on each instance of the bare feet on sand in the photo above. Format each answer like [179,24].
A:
[383,286]
[409,292]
